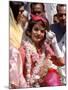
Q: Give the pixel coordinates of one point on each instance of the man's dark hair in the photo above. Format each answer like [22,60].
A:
[60,5]
[33,4]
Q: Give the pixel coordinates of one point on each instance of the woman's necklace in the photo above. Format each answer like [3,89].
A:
[31,51]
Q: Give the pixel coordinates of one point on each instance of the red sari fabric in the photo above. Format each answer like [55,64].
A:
[52,78]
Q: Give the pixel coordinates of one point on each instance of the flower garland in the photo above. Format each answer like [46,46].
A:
[32,54]
[38,59]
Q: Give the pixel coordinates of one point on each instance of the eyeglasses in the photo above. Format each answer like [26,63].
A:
[21,11]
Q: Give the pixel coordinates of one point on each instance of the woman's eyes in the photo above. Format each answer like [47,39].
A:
[41,30]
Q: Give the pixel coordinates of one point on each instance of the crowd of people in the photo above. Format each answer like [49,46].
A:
[37,55]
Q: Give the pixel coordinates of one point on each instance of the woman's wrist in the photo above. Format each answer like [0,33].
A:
[57,50]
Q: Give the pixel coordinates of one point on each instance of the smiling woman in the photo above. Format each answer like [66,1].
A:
[38,67]
[35,55]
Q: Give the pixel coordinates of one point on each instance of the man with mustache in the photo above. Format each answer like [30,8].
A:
[60,30]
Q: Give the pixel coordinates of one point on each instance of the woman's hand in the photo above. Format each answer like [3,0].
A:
[13,86]
[45,66]
[51,37]
[43,71]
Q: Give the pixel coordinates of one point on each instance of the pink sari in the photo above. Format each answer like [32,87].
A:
[52,78]
[16,78]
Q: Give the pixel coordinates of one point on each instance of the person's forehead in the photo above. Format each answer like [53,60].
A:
[38,24]
[62,9]
[21,8]
[38,6]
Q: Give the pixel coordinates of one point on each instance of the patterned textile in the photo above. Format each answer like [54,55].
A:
[15,68]
[52,78]
[15,32]
[37,65]
[16,78]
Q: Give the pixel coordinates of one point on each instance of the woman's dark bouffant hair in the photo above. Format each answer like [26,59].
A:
[33,22]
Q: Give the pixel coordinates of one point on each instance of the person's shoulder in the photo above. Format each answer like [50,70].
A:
[54,27]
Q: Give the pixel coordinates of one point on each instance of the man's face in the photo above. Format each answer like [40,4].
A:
[62,15]
[38,10]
